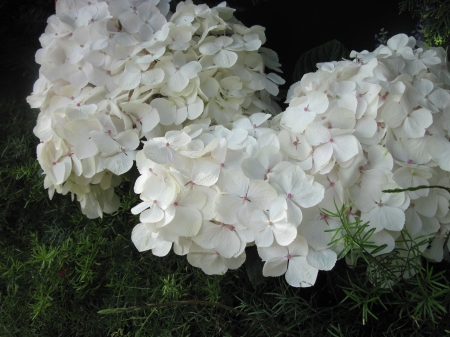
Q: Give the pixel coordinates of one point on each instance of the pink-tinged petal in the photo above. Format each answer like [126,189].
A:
[300,273]
[321,259]
[152,215]
[276,266]
[297,119]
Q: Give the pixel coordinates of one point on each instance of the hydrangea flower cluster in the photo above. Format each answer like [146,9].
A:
[118,71]
[217,171]
[352,130]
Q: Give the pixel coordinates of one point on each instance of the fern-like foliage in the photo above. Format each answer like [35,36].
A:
[434,20]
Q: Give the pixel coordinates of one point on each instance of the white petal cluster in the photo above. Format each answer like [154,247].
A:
[353,130]
[114,72]
[186,95]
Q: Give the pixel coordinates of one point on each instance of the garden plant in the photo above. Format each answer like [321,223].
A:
[179,189]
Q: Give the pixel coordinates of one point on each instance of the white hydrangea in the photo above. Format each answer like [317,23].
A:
[114,73]
[217,173]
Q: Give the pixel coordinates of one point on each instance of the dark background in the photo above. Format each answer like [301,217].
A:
[292,28]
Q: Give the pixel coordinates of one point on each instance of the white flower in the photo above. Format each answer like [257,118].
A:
[211,262]
[413,122]
[272,224]
[223,49]
[289,260]
[297,188]
[381,210]
[303,110]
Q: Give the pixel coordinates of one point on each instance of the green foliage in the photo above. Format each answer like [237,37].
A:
[58,269]
[327,52]
[434,17]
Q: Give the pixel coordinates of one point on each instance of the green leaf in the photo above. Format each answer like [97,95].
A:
[254,267]
[327,52]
